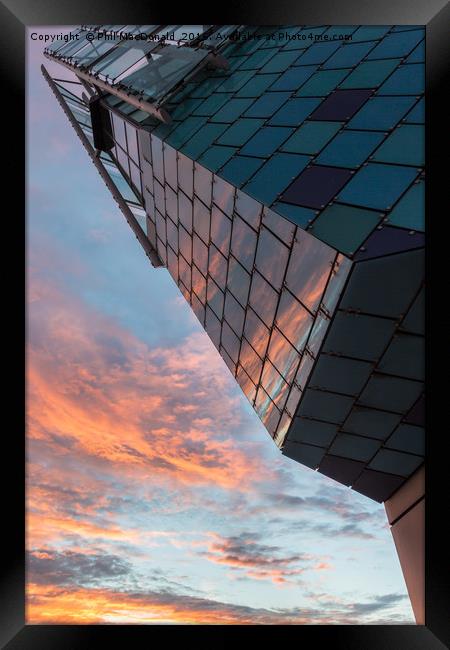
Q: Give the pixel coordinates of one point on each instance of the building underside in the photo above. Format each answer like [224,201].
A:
[281,184]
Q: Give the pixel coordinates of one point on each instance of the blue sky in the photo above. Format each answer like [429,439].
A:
[154,493]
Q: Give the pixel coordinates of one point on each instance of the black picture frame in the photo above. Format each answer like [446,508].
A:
[15,16]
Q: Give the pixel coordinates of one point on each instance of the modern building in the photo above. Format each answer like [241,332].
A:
[277,174]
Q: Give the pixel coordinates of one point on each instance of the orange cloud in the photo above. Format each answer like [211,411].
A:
[146,410]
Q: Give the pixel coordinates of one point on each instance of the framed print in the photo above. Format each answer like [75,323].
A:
[227,334]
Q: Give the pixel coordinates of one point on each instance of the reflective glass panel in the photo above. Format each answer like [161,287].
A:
[293,320]
[198,284]
[280,226]
[230,342]
[284,357]
[228,360]
[119,131]
[274,384]
[172,263]
[185,211]
[248,209]
[123,57]
[160,198]
[203,183]
[213,327]
[334,288]
[157,159]
[250,361]
[238,281]
[243,243]
[201,220]
[223,195]
[265,408]
[317,333]
[215,297]
[135,174]
[164,70]
[140,216]
[220,230]
[185,243]
[171,204]
[263,299]
[132,143]
[185,273]
[198,309]
[217,266]
[256,332]
[185,174]
[200,254]
[293,399]
[308,270]
[170,166]
[172,234]
[234,313]
[304,370]
[271,258]
[246,384]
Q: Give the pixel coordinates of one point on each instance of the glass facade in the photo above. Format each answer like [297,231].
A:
[286,199]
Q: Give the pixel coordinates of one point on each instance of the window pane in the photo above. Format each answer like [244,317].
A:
[172,234]
[293,320]
[164,70]
[171,204]
[234,313]
[263,299]
[185,211]
[201,220]
[238,281]
[160,202]
[230,342]
[132,143]
[250,361]
[157,159]
[309,268]
[243,243]
[213,327]
[203,184]
[199,284]
[271,258]
[217,266]
[283,228]
[248,209]
[284,357]
[185,243]
[185,273]
[200,254]
[223,195]
[215,298]
[170,166]
[256,332]
[220,230]
[274,384]
[246,384]
[186,174]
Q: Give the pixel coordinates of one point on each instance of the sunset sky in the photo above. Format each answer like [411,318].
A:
[154,493]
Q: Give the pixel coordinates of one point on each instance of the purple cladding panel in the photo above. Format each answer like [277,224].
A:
[341,105]
[377,485]
[316,186]
[388,240]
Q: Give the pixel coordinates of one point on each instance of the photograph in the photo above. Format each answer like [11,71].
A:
[225,340]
